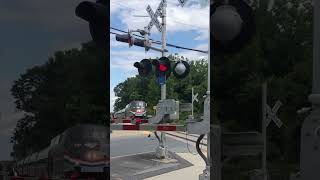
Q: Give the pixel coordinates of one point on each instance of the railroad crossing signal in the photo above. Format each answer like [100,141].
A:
[95,14]
[272,114]
[127,38]
[163,68]
[232,25]
[181,69]
[194,97]
[154,16]
[144,67]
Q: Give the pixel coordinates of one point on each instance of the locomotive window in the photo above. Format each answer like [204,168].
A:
[137,104]
[94,133]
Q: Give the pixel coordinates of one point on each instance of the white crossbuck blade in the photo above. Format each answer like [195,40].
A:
[272,114]
[154,16]
[195,97]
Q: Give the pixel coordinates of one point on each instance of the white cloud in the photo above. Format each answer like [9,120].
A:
[194,55]
[116,44]
[188,18]
[124,59]
[191,18]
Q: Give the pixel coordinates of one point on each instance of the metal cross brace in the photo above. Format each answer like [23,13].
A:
[154,16]
[272,114]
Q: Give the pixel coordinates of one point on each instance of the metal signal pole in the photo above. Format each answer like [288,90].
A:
[310,131]
[264,130]
[163,86]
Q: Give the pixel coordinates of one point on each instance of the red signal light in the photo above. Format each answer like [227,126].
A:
[162,67]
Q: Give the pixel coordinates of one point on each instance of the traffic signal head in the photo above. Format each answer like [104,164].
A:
[96,15]
[144,67]
[232,25]
[181,69]
[127,38]
[163,67]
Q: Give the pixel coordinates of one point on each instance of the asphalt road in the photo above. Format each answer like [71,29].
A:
[133,158]
[137,144]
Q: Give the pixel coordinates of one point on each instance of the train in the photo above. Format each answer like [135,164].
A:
[135,109]
[83,148]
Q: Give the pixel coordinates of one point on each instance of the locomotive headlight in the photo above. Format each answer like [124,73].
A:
[93,156]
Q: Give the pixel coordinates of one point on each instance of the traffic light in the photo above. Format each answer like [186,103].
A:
[96,15]
[163,67]
[232,25]
[181,69]
[127,38]
[144,67]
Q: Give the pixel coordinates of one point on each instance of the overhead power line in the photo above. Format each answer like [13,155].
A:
[159,42]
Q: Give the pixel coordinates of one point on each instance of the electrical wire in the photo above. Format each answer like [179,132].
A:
[159,42]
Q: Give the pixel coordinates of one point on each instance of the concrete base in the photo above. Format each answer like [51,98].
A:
[162,152]
[205,175]
[141,166]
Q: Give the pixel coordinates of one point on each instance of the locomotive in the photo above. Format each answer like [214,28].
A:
[83,147]
[135,109]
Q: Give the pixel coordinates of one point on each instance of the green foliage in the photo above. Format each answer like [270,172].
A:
[281,54]
[69,88]
[147,89]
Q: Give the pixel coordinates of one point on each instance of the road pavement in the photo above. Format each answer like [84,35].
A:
[132,157]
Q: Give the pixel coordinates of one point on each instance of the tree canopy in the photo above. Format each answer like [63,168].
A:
[69,88]
[280,54]
[147,89]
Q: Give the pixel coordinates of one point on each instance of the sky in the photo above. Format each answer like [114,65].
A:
[187,26]
[31,31]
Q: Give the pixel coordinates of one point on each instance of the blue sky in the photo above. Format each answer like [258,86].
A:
[186,26]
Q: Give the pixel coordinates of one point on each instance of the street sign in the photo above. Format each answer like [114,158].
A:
[154,16]
[272,114]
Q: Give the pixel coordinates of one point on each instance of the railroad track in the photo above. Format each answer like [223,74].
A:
[188,137]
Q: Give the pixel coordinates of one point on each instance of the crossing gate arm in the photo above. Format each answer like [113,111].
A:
[147,127]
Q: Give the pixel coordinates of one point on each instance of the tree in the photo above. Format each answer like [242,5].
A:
[69,88]
[146,88]
[281,54]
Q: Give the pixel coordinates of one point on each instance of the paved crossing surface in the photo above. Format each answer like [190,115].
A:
[132,157]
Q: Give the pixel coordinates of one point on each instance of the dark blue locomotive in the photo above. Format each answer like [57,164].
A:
[83,147]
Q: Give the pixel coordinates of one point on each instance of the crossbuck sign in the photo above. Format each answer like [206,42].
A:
[154,16]
[272,114]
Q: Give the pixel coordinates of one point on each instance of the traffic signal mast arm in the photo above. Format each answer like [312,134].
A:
[127,38]
[146,43]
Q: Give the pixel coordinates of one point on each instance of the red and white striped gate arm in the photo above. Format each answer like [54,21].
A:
[128,121]
[147,127]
